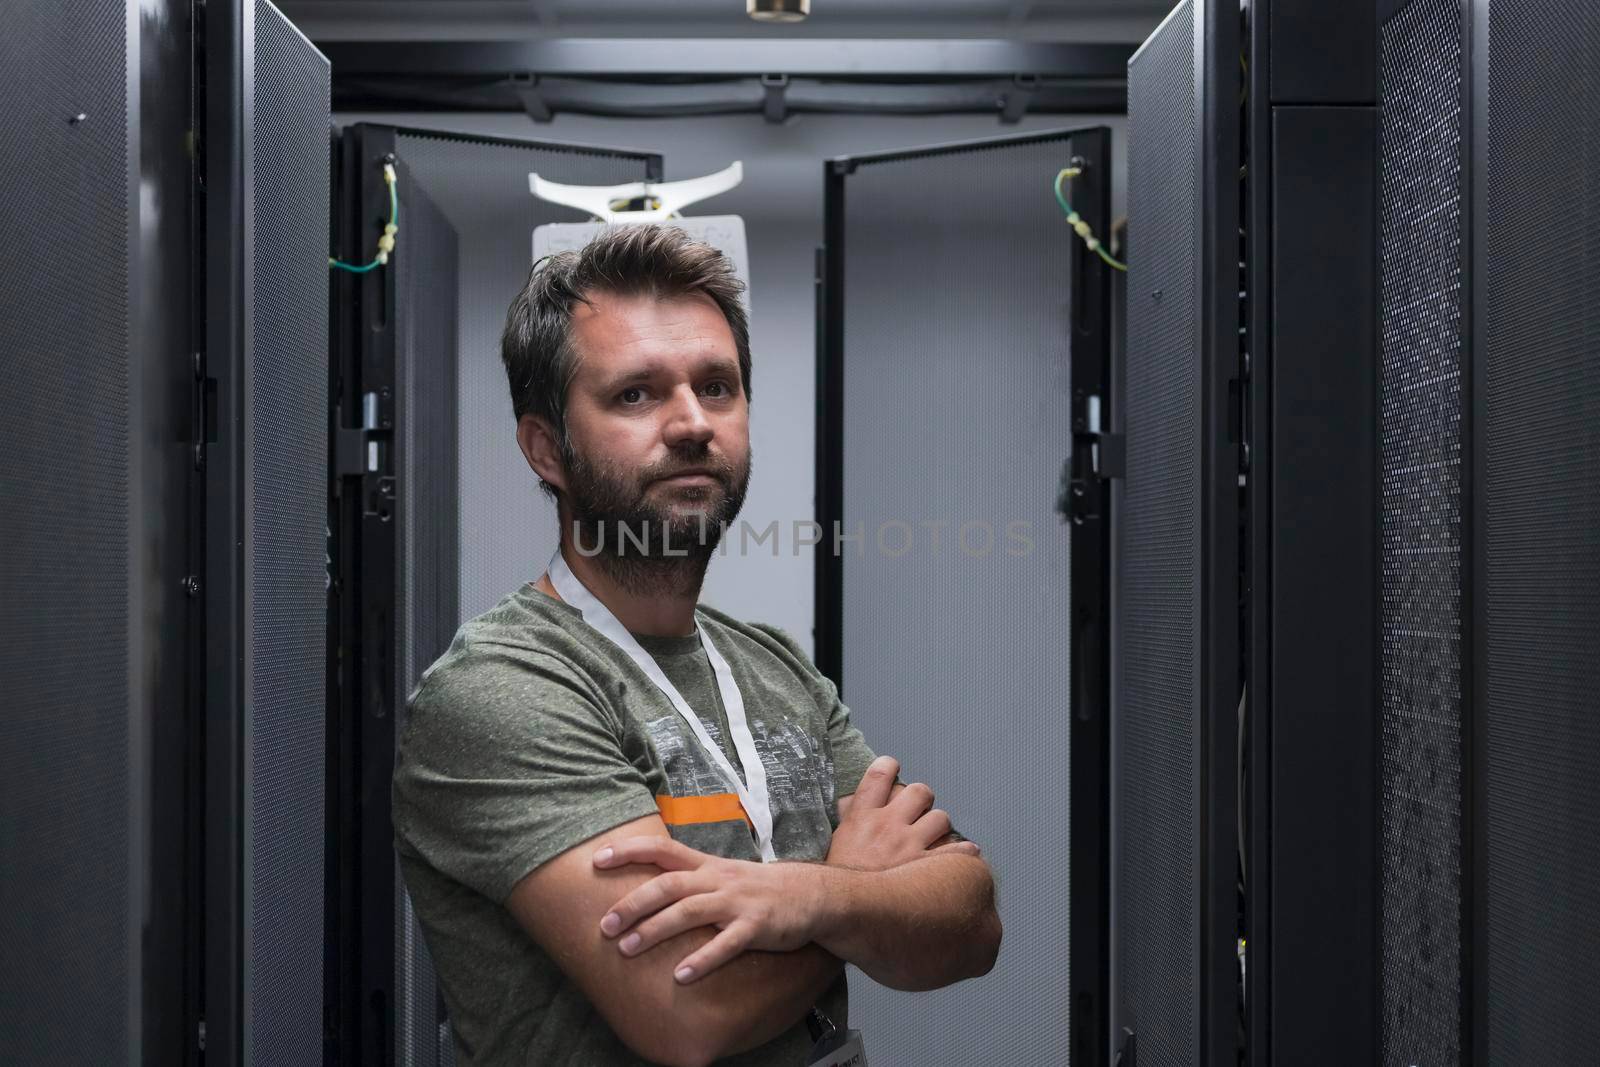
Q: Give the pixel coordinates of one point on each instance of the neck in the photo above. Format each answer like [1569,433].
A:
[651,596]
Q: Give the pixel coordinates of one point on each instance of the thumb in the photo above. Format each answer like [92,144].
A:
[877,783]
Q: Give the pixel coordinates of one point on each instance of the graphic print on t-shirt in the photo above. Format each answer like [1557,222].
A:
[800,785]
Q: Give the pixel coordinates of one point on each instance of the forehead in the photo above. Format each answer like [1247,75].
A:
[613,333]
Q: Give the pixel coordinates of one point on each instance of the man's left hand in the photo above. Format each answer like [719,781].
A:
[767,906]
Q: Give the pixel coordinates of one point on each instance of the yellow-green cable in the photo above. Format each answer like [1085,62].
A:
[386,242]
[1077,222]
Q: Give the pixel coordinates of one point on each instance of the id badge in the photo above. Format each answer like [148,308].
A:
[841,1048]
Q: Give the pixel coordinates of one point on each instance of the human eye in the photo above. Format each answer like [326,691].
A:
[631,395]
[718,389]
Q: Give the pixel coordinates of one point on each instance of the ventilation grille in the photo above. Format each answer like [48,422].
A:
[69,986]
[1157,926]
[286,410]
[1542,493]
[957,410]
[1421,296]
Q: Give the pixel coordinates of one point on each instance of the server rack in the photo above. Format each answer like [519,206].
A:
[421,531]
[1487,118]
[1244,748]
[927,412]
[98,497]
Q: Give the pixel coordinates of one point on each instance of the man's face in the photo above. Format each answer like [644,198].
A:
[657,420]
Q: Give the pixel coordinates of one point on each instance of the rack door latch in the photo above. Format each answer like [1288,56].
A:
[1097,457]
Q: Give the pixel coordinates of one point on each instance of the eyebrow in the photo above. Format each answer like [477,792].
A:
[651,369]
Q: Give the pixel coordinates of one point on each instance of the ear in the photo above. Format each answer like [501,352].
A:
[538,444]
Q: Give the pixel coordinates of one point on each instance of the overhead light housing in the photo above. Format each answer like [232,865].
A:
[777,10]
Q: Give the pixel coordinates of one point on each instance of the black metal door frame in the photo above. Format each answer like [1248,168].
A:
[1086,500]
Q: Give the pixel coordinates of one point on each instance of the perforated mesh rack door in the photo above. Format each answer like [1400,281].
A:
[481,186]
[949,419]
[1156,739]
[1421,218]
[428,554]
[69,884]
[1539,359]
[285,502]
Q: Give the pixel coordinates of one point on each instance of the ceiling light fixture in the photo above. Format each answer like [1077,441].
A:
[777,10]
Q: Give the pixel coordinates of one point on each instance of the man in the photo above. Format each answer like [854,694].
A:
[593,782]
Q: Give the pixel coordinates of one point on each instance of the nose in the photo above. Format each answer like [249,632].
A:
[686,421]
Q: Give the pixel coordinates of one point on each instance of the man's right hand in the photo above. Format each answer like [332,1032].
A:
[882,826]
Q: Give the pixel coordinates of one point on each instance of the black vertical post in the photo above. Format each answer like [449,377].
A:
[1093,404]
[363,709]
[828,625]
[1258,371]
[1312,779]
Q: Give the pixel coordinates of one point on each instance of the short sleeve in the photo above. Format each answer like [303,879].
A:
[506,761]
[851,754]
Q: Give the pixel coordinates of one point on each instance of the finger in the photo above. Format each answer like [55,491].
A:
[912,802]
[691,913]
[873,792]
[660,850]
[932,826]
[657,893]
[961,848]
[714,953]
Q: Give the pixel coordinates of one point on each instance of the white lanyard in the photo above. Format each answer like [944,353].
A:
[754,796]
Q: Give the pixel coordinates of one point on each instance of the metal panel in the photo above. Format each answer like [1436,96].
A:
[640,57]
[482,187]
[285,502]
[1537,386]
[1156,836]
[1421,219]
[1175,828]
[1316,464]
[951,419]
[1321,53]
[71,891]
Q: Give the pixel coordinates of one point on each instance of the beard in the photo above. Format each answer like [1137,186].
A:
[650,537]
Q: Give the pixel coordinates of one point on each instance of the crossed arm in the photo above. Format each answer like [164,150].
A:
[691,957]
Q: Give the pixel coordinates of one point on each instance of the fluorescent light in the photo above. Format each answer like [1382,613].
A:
[777,10]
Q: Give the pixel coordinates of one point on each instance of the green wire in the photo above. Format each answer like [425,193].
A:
[1061,198]
[394,220]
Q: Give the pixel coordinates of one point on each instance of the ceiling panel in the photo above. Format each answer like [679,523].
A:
[1056,20]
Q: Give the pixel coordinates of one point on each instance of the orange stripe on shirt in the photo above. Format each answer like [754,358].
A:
[682,811]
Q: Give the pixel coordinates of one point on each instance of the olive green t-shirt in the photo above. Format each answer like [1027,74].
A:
[532,734]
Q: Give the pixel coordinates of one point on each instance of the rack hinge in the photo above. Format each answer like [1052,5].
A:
[350,459]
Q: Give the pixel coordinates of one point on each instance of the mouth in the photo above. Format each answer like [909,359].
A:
[690,478]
